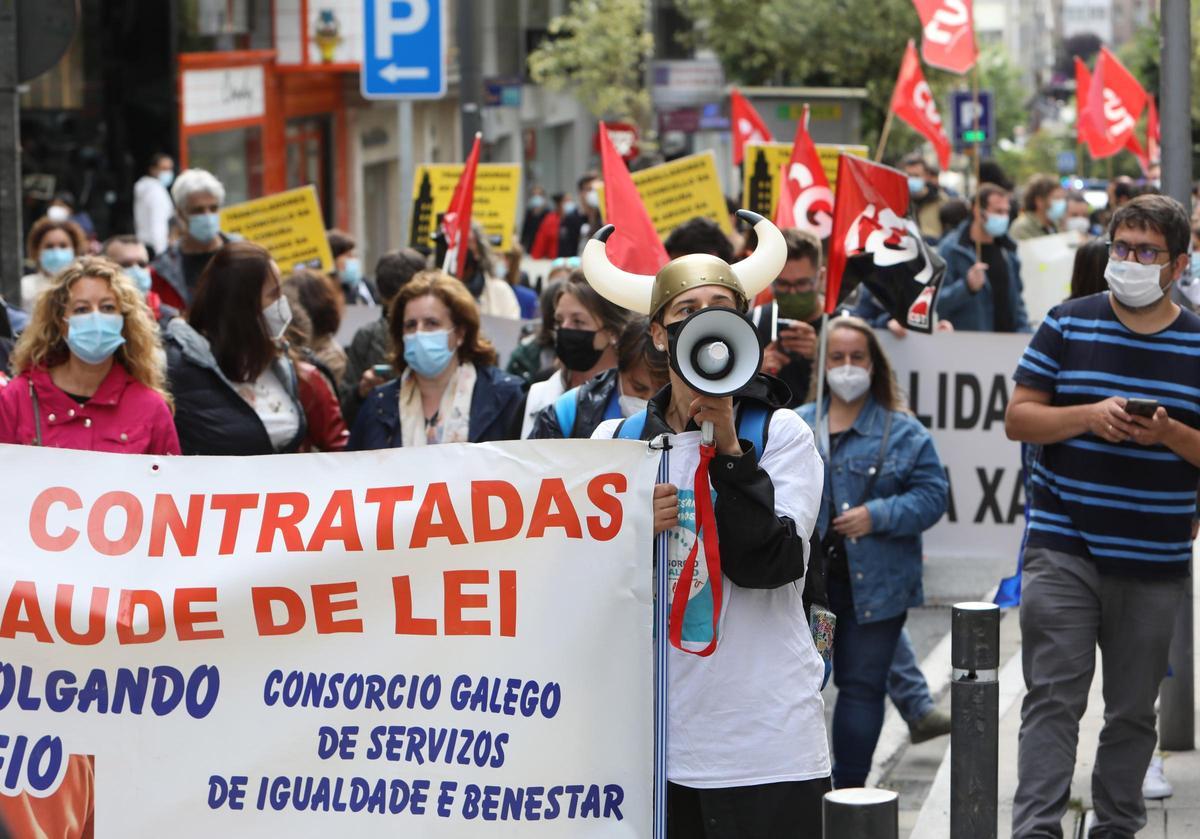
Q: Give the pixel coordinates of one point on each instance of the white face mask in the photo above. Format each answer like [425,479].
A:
[848,382]
[58,213]
[630,405]
[1135,285]
[1191,290]
[1078,224]
[277,316]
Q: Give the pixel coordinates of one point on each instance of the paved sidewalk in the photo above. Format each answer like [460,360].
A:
[922,773]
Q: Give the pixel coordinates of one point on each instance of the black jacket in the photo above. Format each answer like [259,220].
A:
[210,416]
[758,548]
[591,401]
[495,409]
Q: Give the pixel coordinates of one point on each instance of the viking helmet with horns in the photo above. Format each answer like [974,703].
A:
[647,295]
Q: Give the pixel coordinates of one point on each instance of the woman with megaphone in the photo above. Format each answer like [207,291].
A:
[747,754]
[884,486]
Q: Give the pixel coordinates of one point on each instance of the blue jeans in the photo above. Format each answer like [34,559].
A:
[906,685]
[862,657]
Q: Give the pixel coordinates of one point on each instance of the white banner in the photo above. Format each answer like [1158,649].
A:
[959,385]
[451,641]
[1046,266]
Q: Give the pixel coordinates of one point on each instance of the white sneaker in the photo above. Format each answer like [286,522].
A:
[1156,785]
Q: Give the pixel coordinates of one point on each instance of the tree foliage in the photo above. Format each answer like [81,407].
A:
[599,49]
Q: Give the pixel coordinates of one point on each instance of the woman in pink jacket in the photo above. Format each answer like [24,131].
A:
[88,371]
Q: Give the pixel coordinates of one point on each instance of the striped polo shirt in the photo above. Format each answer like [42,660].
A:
[1129,507]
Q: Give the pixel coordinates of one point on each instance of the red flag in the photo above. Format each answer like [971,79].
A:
[1083,122]
[456,223]
[784,215]
[1116,101]
[1143,159]
[875,243]
[634,246]
[805,185]
[948,40]
[748,126]
[912,101]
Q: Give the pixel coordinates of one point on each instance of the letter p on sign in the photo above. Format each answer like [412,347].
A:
[386,26]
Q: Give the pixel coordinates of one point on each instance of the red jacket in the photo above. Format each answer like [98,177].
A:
[327,430]
[545,243]
[123,416]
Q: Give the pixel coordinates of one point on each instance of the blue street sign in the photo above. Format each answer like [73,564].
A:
[1067,162]
[404,49]
[962,115]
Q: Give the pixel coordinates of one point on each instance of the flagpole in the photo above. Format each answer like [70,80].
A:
[822,436]
[883,135]
[978,150]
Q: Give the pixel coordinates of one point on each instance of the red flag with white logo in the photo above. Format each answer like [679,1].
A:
[456,223]
[912,101]
[634,246]
[1083,122]
[1115,102]
[804,184]
[748,126]
[875,243]
[948,34]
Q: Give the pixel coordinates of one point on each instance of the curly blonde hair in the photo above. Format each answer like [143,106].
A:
[44,340]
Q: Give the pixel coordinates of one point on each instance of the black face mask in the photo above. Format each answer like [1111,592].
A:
[474,281]
[576,348]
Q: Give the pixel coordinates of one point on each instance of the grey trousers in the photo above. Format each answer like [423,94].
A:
[1067,608]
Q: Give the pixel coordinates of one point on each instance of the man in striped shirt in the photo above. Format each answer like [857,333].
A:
[1110,528]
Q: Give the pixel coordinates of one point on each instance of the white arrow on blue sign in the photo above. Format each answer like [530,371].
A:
[404,49]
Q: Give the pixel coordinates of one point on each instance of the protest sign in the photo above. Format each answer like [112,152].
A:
[497,190]
[1046,266]
[288,224]
[680,190]
[760,178]
[959,385]
[505,334]
[447,641]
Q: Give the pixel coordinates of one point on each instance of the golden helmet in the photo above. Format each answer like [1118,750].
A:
[647,294]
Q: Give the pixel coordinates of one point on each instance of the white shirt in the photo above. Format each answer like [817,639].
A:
[499,299]
[274,406]
[32,286]
[751,713]
[540,395]
[152,213]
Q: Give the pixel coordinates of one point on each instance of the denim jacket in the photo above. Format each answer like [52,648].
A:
[908,498]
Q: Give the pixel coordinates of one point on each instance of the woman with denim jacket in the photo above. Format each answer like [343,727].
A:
[884,486]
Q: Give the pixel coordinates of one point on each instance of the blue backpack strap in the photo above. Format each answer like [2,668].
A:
[631,427]
[564,409]
[753,419]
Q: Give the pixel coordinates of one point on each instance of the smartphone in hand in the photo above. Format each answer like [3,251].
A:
[1141,407]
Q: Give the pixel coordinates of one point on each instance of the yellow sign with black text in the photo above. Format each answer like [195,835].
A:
[497,194]
[764,161]
[288,224]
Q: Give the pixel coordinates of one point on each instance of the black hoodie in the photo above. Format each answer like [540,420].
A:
[758,548]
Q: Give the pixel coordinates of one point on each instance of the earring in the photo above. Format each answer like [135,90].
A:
[658,347]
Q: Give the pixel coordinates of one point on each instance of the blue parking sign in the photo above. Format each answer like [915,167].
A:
[404,49]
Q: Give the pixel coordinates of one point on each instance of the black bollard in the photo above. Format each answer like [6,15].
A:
[862,814]
[975,719]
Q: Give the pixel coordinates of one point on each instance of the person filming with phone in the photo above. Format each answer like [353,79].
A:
[1108,389]
[788,326]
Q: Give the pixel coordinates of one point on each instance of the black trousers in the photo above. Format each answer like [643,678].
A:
[788,810]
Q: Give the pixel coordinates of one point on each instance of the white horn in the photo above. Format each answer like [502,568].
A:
[630,291]
[761,268]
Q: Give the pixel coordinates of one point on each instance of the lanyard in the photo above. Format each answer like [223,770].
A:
[706,529]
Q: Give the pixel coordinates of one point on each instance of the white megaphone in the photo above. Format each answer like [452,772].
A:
[716,352]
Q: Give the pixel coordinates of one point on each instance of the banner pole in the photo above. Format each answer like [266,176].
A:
[978,149]
[822,339]
[661,616]
[883,135]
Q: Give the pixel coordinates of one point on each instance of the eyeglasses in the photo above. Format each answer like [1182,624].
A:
[1145,254]
[795,286]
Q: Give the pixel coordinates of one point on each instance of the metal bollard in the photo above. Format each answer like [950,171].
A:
[975,719]
[861,814]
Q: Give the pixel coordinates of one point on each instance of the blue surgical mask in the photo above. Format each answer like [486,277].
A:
[1057,209]
[916,185]
[428,353]
[204,227]
[996,225]
[537,202]
[166,178]
[140,277]
[55,260]
[569,207]
[95,336]
[1195,265]
[351,272]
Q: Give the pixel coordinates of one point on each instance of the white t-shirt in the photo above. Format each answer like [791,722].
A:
[274,406]
[32,286]
[152,213]
[751,713]
[540,395]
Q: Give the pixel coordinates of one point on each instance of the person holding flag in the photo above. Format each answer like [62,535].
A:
[747,753]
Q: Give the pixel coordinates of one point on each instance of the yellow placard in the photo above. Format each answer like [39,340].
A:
[288,224]
[497,191]
[680,190]
[760,184]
